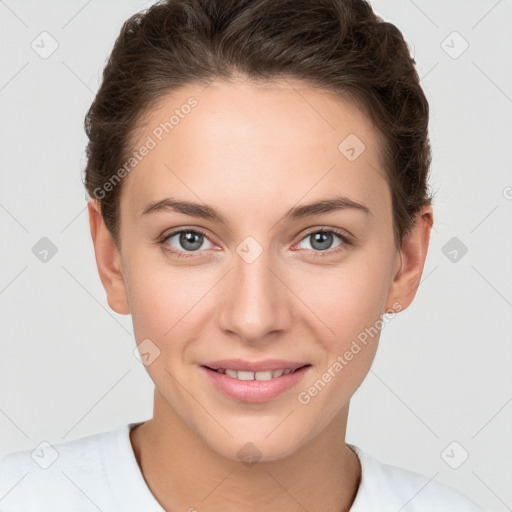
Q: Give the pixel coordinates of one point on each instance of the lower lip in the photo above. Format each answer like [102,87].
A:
[254,390]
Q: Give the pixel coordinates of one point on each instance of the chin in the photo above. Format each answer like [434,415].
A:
[257,446]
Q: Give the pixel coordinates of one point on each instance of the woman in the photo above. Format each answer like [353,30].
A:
[258,181]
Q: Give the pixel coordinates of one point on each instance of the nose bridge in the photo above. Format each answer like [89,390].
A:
[256,302]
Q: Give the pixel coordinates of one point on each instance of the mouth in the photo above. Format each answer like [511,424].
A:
[258,375]
[258,386]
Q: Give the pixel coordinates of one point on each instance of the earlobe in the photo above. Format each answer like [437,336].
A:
[108,260]
[412,260]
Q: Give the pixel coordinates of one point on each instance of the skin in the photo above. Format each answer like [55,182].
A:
[253,151]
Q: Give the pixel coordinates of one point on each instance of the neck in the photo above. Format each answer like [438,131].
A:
[183,473]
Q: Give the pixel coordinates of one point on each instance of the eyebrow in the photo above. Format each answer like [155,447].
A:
[297,212]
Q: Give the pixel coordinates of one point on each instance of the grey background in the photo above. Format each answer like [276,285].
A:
[443,371]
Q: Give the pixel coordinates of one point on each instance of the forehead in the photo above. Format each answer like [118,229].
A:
[273,141]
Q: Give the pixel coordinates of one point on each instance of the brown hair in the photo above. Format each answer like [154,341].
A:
[336,45]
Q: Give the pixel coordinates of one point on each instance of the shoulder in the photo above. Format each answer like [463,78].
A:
[389,488]
[61,476]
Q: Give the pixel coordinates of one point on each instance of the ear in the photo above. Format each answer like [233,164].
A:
[410,262]
[108,260]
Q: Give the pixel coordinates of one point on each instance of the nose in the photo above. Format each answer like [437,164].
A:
[255,300]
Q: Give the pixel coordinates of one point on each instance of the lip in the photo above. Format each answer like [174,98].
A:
[254,366]
[255,391]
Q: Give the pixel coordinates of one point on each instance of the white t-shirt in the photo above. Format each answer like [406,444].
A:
[100,472]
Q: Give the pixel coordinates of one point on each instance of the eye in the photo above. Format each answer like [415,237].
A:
[321,241]
[184,241]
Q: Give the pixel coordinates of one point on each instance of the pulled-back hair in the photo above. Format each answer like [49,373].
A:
[337,45]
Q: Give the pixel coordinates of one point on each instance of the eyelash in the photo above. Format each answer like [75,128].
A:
[347,241]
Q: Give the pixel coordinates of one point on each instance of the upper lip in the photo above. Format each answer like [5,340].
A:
[254,366]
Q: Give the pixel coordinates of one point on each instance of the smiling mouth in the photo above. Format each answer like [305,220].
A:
[260,376]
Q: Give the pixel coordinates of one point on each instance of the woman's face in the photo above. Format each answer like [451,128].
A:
[262,283]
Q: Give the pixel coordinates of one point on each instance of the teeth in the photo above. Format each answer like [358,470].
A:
[245,375]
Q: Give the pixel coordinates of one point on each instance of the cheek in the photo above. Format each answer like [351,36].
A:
[351,308]
[346,299]
[166,302]
[348,303]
